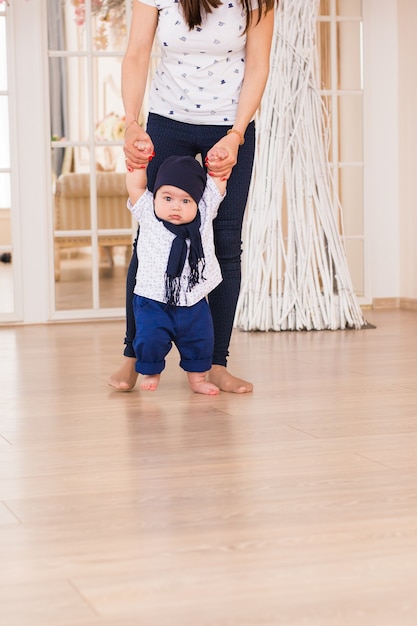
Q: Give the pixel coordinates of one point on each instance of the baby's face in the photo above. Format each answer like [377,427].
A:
[174,205]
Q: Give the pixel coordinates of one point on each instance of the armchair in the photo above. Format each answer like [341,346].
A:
[72,212]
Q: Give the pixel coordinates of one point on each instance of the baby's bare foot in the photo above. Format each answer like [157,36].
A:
[199,384]
[227,382]
[126,376]
[150,383]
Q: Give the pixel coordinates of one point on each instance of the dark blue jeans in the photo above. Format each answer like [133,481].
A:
[172,137]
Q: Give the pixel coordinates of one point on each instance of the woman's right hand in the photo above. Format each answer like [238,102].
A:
[138,147]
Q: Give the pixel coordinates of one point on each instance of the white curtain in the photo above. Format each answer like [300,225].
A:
[57,78]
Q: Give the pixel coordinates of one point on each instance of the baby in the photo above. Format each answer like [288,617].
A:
[177,268]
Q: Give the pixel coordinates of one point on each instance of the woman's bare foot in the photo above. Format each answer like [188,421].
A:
[199,384]
[150,382]
[227,382]
[126,376]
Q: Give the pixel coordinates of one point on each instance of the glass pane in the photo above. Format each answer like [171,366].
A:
[110,158]
[350,128]
[349,55]
[5,197]
[6,243]
[58,82]
[3,54]
[78,100]
[325,7]
[351,197]
[115,232]
[6,284]
[73,82]
[66,25]
[107,99]
[4,133]
[62,162]
[112,275]
[72,247]
[57,36]
[349,7]
[325,58]
[109,25]
[73,273]
[112,212]
[69,99]
[72,202]
[70,27]
[6,267]
[6,273]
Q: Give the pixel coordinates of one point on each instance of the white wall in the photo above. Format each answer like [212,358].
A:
[390,128]
[407,98]
[382,228]
[30,162]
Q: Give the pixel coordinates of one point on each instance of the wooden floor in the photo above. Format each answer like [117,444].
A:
[293,506]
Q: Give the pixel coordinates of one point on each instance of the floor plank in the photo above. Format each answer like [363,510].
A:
[292,506]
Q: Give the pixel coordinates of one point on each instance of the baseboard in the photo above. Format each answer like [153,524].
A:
[386,303]
[409,304]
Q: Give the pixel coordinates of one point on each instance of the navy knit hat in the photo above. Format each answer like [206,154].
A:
[183,172]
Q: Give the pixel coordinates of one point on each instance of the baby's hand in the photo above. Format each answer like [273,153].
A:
[144,146]
[217,154]
[146,149]
[218,163]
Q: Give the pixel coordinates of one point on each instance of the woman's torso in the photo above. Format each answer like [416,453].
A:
[201,70]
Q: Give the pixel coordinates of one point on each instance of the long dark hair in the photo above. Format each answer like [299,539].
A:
[194,10]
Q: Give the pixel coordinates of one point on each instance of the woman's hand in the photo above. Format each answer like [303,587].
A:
[138,147]
[222,157]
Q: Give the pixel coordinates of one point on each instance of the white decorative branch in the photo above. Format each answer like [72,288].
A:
[295,272]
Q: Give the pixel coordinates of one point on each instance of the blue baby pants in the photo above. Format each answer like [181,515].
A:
[159,325]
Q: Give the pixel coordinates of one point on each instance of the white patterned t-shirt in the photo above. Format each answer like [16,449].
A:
[154,246]
[200,73]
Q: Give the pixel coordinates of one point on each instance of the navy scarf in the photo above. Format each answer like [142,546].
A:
[178,255]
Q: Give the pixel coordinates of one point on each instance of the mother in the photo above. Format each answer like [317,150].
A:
[209,83]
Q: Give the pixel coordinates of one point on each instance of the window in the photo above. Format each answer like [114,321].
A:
[6,267]
[93,230]
[340,45]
